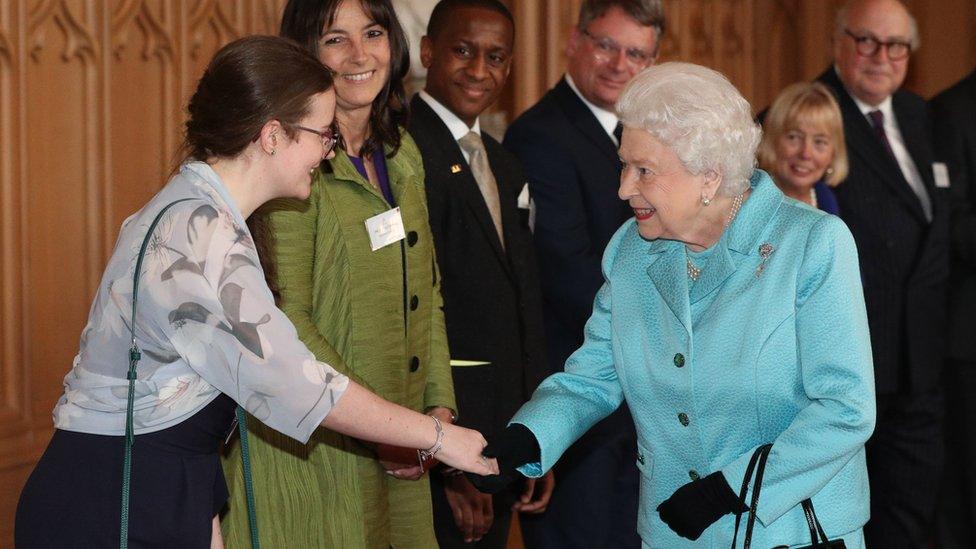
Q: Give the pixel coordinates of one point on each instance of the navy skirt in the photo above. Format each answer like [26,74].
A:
[74,495]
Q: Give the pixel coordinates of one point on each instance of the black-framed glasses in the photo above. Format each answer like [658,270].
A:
[608,49]
[329,136]
[869,45]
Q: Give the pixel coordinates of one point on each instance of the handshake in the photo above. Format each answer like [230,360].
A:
[515,447]
[491,467]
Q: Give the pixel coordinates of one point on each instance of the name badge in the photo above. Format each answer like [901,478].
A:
[941,174]
[385,229]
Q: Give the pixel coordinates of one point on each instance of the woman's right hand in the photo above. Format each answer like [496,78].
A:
[462,449]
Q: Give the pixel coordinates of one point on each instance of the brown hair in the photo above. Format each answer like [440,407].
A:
[249,82]
[809,102]
[304,20]
[649,13]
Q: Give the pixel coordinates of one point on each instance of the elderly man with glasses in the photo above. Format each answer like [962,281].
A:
[895,202]
[567,143]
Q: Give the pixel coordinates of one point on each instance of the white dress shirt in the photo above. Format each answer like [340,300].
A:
[897,142]
[607,119]
[456,126]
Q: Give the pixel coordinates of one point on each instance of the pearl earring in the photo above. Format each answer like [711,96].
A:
[706,201]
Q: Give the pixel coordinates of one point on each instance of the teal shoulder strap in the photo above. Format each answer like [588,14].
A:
[134,356]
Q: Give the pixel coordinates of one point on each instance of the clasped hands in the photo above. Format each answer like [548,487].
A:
[490,469]
[461,449]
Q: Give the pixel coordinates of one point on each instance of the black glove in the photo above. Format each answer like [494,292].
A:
[516,447]
[696,505]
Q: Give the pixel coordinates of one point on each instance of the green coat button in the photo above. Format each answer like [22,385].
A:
[640,458]
[683,418]
[693,475]
[679,360]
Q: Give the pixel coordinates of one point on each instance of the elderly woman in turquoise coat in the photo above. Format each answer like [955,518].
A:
[730,317]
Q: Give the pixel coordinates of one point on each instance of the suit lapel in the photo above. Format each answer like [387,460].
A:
[740,240]
[915,135]
[669,258]
[580,116]
[451,166]
[716,270]
[863,141]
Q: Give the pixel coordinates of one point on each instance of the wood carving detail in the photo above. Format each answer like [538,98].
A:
[732,41]
[158,42]
[700,28]
[6,51]
[79,40]
[211,14]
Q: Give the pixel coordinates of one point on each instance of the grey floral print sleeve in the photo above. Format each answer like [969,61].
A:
[206,323]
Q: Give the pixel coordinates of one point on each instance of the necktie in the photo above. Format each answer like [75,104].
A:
[478,160]
[877,121]
[618,132]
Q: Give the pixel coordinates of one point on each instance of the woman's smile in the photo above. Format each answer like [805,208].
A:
[643,213]
[359,77]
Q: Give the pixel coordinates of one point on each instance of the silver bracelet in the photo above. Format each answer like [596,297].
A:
[424,455]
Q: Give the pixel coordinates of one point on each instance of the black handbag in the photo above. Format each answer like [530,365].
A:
[757,463]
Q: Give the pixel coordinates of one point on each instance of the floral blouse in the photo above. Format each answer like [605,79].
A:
[206,324]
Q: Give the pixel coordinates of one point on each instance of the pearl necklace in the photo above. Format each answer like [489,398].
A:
[694,273]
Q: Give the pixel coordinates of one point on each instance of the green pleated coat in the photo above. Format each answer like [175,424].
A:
[355,309]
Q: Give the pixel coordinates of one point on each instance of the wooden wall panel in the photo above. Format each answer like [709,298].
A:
[140,66]
[61,221]
[91,110]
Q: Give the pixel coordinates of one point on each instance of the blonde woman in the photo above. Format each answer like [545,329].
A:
[803,146]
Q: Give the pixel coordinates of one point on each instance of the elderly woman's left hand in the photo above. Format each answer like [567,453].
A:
[696,505]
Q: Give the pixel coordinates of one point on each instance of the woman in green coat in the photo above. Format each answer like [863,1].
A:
[354,269]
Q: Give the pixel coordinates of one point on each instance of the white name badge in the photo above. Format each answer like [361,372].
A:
[385,229]
[941,173]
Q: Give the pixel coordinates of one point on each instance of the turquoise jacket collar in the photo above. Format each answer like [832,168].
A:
[668,271]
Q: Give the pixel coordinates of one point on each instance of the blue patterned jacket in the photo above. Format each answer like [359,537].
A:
[764,347]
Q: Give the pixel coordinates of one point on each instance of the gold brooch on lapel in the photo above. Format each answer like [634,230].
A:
[765,250]
[455,168]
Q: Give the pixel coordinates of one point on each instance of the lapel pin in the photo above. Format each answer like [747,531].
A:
[765,250]
[455,168]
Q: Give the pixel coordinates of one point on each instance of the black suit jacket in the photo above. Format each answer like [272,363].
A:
[904,258]
[954,124]
[574,174]
[492,304]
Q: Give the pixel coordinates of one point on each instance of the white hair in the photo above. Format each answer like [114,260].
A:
[700,115]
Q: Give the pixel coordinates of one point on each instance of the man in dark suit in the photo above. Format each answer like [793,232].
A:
[899,218]
[489,278]
[568,145]
[954,122]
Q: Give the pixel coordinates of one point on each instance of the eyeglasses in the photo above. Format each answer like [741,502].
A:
[329,137]
[869,45]
[607,49]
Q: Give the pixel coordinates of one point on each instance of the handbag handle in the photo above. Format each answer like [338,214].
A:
[134,356]
[817,534]
[760,454]
[757,462]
